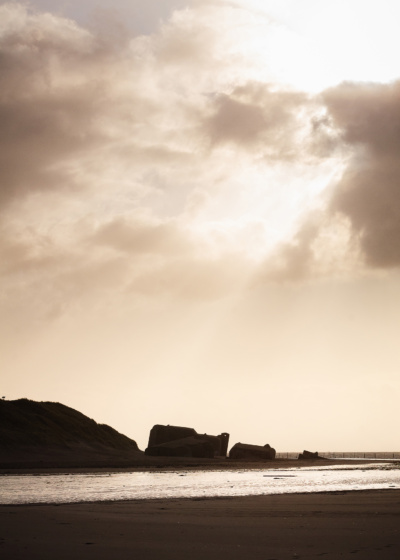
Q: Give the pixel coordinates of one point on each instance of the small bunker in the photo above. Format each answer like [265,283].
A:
[309,456]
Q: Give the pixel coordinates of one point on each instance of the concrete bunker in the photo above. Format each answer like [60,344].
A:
[248,452]
[179,441]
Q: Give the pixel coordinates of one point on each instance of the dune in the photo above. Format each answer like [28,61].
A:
[47,434]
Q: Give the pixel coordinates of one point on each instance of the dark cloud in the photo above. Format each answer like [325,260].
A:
[236,121]
[38,135]
[256,114]
[75,104]
[54,89]
[369,193]
[362,123]
[368,115]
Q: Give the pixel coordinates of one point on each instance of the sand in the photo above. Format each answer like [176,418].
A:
[364,524]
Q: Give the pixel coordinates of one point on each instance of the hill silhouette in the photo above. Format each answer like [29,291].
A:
[52,434]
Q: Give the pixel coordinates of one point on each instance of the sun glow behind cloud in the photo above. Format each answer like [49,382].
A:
[313,45]
[192,124]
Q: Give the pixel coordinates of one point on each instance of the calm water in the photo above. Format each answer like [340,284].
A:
[68,488]
[371,455]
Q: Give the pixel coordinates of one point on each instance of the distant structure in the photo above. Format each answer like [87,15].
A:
[248,452]
[179,441]
[309,456]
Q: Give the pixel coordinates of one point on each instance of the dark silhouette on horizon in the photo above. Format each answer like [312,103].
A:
[179,441]
[309,456]
[248,452]
[49,434]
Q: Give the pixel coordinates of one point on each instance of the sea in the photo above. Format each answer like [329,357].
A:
[195,484]
[371,455]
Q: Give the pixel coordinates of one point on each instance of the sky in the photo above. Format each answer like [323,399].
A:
[200,216]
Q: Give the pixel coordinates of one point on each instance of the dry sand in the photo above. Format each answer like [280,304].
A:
[364,525]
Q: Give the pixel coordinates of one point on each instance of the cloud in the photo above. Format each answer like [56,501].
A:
[358,223]
[292,261]
[51,95]
[88,111]
[142,237]
[159,167]
[369,193]
[141,17]
[258,115]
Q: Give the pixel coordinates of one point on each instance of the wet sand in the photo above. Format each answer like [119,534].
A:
[364,524]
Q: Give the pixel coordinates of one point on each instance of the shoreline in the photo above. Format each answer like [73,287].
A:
[267,527]
[152,489]
[164,466]
[148,501]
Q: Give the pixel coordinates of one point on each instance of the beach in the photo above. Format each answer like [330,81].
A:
[363,524]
